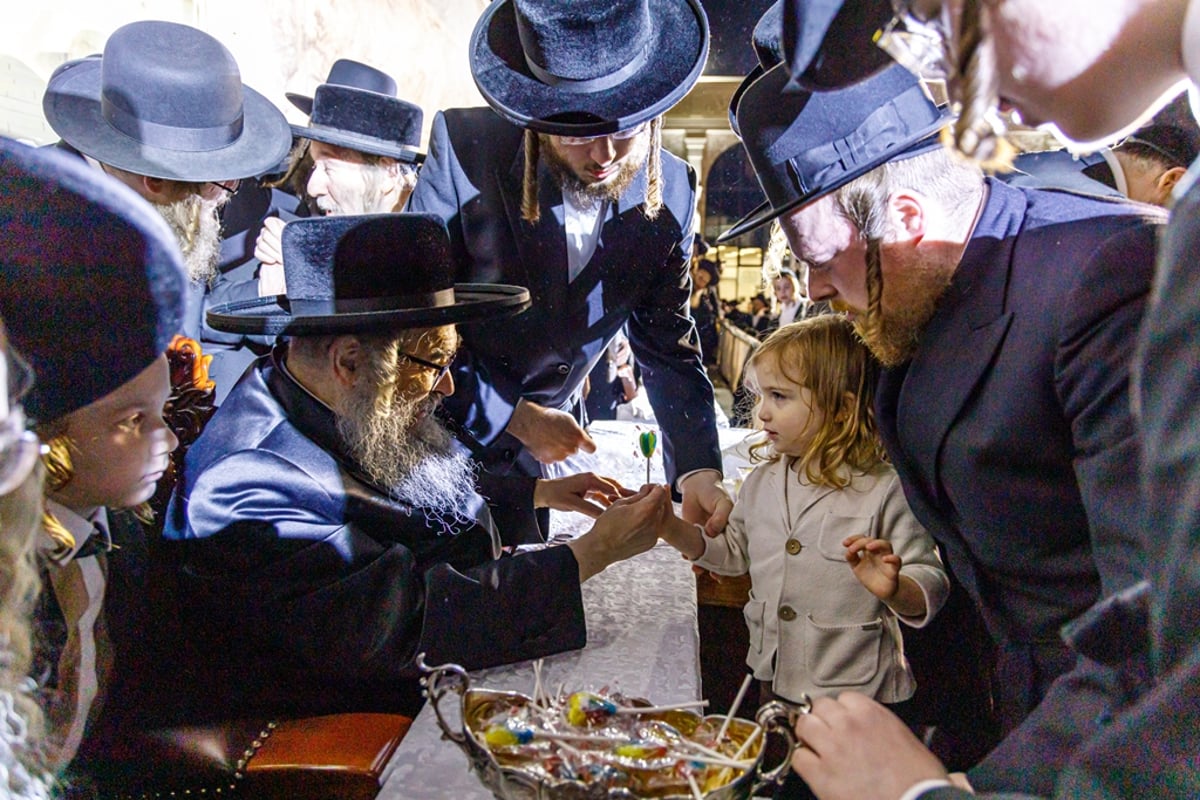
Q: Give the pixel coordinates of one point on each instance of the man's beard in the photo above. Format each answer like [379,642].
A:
[197,228]
[610,188]
[404,449]
[910,299]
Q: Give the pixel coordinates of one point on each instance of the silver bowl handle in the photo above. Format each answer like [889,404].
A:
[438,681]
[777,717]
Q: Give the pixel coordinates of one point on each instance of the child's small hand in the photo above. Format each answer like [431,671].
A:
[874,564]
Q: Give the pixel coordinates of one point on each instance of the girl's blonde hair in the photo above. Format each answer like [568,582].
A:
[20,585]
[824,355]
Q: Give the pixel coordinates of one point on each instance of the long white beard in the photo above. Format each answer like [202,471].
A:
[197,228]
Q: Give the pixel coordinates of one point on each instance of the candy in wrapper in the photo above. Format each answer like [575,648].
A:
[508,734]
[588,709]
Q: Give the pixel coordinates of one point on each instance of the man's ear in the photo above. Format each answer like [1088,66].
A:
[158,190]
[906,212]
[1167,181]
[346,355]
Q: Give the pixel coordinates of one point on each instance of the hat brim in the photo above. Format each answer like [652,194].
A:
[830,45]
[272,316]
[927,140]
[678,52]
[300,101]
[364,144]
[72,106]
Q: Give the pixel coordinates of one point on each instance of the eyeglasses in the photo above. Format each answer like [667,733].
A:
[229,189]
[921,38]
[620,136]
[440,369]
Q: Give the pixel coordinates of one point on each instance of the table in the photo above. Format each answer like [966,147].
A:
[642,635]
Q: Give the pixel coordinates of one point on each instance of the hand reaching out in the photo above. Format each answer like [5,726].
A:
[549,434]
[585,492]
[629,526]
[874,564]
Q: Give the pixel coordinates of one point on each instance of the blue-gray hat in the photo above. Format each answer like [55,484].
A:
[370,122]
[830,44]
[92,285]
[804,145]
[768,46]
[587,67]
[166,100]
[363,273]
[347,72]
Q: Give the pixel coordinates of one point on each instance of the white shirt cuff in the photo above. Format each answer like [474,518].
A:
[679,481]
[918,789]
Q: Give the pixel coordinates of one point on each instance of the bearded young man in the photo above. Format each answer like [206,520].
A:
[326,532]
[164,111]
[563,186]
[1006,319]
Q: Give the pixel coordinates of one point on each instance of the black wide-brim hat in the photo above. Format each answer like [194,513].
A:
[768,46]
[589,67]
[804,145]
[347,72]
[369,122]
[830,44]
[167,101]
[92,284]
[368,273]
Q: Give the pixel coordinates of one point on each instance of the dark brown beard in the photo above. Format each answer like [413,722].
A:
[595,192]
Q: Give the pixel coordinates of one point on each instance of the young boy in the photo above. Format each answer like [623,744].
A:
[92,288]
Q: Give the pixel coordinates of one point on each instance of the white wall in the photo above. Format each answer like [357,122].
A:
[280,46]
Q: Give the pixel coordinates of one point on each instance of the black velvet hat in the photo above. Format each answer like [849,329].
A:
[92,285]
[587,67]
[369,122]
[346,72]
[167,101]
[804,145]
[1172,133]
[768,46]
[830,44]
[363,273]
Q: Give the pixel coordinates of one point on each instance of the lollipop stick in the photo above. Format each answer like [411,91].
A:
[655,709]
[737,702]
[695,787]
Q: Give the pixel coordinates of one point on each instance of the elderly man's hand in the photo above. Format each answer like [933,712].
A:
[550,435]
[585,492]
[705,501]
[855,749]
[267,248]
[628,527]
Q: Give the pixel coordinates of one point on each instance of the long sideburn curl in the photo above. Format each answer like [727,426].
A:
[531,212]
[979,132]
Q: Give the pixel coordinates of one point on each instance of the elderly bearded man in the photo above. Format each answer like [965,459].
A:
[327,530]
[165,112]
[563,186]
[1006,319]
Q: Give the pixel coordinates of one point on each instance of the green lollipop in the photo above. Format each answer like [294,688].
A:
[648,441]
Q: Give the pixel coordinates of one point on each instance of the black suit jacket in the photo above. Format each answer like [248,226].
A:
[1012,432]
[639,274]
[302,588]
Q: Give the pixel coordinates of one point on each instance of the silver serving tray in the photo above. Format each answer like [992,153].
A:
[509,782]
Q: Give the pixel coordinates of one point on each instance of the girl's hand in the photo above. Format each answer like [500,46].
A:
[874,564]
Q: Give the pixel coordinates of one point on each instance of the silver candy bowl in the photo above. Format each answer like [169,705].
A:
[511,775]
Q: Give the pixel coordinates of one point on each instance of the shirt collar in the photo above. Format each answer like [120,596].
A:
[81,528]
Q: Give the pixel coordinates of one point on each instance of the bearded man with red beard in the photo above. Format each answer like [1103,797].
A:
[563,186]
[1006,319]
[327,530]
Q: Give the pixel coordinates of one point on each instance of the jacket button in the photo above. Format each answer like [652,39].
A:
[787,613]
[793,547]
[563,369]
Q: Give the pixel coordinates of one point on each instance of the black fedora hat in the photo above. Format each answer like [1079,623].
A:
[768,46]
[166,100]
[366,121]
[804,145]
[830,44]
[92,285]
[347,72]
[363,273]
[587,67]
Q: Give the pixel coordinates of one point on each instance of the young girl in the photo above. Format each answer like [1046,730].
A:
[834,554]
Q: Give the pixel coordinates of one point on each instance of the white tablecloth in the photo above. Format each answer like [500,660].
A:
[642,636]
